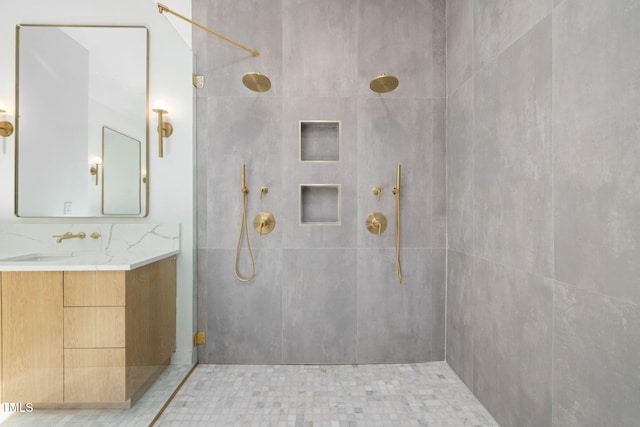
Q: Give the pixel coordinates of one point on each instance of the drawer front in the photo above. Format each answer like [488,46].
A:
[94,327]
[94,375]
[94,288]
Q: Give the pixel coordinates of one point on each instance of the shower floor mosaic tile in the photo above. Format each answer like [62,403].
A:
[421,394]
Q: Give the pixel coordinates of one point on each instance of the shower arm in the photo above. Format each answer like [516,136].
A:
[163,8]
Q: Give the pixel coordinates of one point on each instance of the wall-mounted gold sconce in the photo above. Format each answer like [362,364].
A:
[95,168]
[164,129]
[6,128]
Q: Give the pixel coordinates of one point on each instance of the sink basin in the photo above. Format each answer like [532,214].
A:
[39,258]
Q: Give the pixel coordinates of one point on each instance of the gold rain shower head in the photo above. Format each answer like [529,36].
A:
[257,82]
[383,83]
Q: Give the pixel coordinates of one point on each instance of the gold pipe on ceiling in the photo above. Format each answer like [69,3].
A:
[163,8]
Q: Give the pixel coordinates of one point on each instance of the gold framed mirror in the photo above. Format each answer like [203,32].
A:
[72,82]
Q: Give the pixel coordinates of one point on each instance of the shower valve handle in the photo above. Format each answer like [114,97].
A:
[376,192]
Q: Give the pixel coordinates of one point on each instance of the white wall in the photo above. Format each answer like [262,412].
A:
[171,179]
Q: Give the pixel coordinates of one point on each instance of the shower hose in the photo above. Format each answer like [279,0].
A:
[244,229]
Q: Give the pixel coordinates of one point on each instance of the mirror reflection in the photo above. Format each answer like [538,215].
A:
[120,173]
[76,86]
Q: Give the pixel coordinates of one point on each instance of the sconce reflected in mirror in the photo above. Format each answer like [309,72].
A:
[6,128]
[164,129]
[95,168]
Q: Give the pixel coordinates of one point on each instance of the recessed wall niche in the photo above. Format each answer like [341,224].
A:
[319,141]
[320,204]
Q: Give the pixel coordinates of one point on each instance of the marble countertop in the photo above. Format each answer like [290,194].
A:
[80,260]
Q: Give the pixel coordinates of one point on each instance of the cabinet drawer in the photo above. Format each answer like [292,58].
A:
[94,288]
[87,327]
[94,375]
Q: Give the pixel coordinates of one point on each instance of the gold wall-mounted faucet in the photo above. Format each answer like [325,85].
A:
[69,235]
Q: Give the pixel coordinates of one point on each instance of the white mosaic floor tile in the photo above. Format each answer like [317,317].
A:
[421,394]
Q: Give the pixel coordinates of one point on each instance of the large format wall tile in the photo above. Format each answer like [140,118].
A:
[244,320]
[513,221]
[389,33]
[320,55]
[402,131]
[597,156]
[596,378]
[439,175]
[460,169]
[460,309]
[438,278]
[512,337]
[398,322]
[319,305]
[256,24]
[243,130]
[572,76]
[459,43]
[498,24]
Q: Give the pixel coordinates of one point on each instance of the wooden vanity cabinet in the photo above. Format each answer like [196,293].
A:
[32,335]
[109,334]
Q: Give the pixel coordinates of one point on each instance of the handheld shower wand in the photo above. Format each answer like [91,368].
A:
[396,192]
[244,229]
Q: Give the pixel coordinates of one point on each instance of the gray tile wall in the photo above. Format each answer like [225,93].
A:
[543,195]
[322,294]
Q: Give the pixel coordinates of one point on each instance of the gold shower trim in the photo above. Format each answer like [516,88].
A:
[163,8]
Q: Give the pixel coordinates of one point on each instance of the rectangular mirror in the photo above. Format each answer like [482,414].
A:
[75,85]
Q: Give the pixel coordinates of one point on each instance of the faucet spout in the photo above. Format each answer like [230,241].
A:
[69,235]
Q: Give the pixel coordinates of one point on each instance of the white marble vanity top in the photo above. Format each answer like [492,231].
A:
[80,261]
[33,247]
